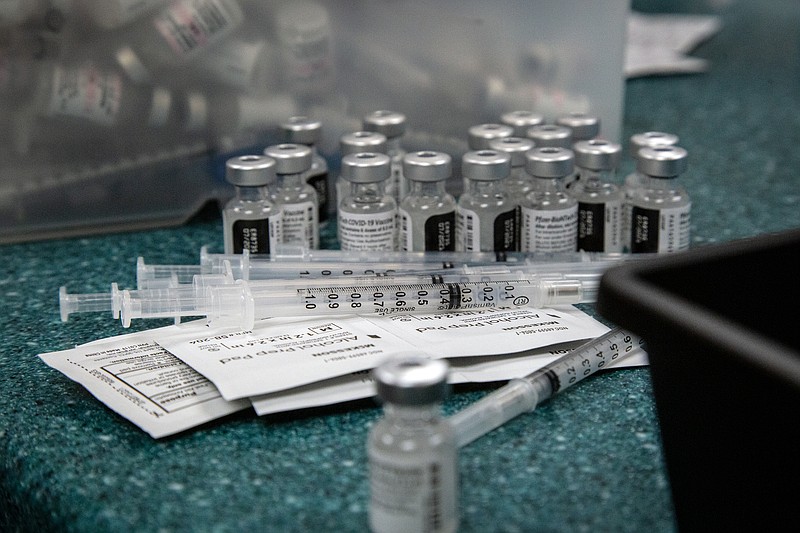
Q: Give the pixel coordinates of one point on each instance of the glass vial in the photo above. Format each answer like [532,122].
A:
[600,201]
[479,137]
[635,178]
[549,214]
[428,212]
[296,197]
[307,131]
[521,121]
[412,451]
[584,127]
[392,125]
[518,183]
[486,216]
[550,135]
[367,215]
[354,143]
[660,208]
[250,220]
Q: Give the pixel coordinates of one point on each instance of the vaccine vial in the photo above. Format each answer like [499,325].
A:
[296,197]
[600,201]
[660,207]
[521,121]
[550,135]
[486,215]
[583,127]
[307,131]
[549,214]
[428,212]
[518,183]
[250,220]
[367,215]
[393,126]
[412,451]
[479,136]
[635,178]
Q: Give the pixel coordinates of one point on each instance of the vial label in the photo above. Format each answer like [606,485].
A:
[600,227]
[439,232]
[320,184]
[86,93]
[549,231]
[406,496]
[256,236]
[373,231]
[191,24]
[503,237]
[300,224]
[660,230]
[395,184]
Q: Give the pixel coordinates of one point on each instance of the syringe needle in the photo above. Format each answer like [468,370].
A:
[522,395]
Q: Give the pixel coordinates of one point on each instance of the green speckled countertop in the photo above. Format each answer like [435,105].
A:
[588,460]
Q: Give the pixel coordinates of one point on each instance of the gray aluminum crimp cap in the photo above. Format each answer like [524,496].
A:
[597,154]
[366,167]
[545,135]
[301,130]
[389,123]
[480,135]
[362,141]
[521,121]
[516,147]
[485,165]
[289,158]
[650,139]
[412,381]
[583,126]
[427,166]
[250,171]
[550,162]
[662,161]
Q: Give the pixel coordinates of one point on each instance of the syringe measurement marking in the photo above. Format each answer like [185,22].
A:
[388,299]
[574,369]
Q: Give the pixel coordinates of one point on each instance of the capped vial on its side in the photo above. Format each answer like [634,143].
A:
[521,121]
[553,135]
[480,135]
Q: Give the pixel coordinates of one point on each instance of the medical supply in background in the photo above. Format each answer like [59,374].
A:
[549,214]
[307,131]
[525,394]
[521,121]
[393,125]
[250,220]
[412,450]
[550,135]
[427,215]
[635,178]
[297,199]
[367,215]
[600,201]
[661,207]
[479,136]
[486,217]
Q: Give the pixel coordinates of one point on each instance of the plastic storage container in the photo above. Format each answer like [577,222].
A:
[230,80]
[725,358]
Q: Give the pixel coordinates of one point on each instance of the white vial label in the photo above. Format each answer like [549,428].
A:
[189,25]
[600,227]
[300,224]
[660,230]
[549,231]
[373,231]
[86,93]
[256,236]
[411,496]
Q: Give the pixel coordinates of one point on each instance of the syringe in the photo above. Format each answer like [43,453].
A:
[524,394]
[243,302]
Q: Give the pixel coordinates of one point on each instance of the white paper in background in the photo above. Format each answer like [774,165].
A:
[144,383]
[658,44]
[282,353]
[498,331]
[359,385]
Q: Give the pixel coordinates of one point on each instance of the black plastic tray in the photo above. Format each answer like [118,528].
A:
[721,327]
